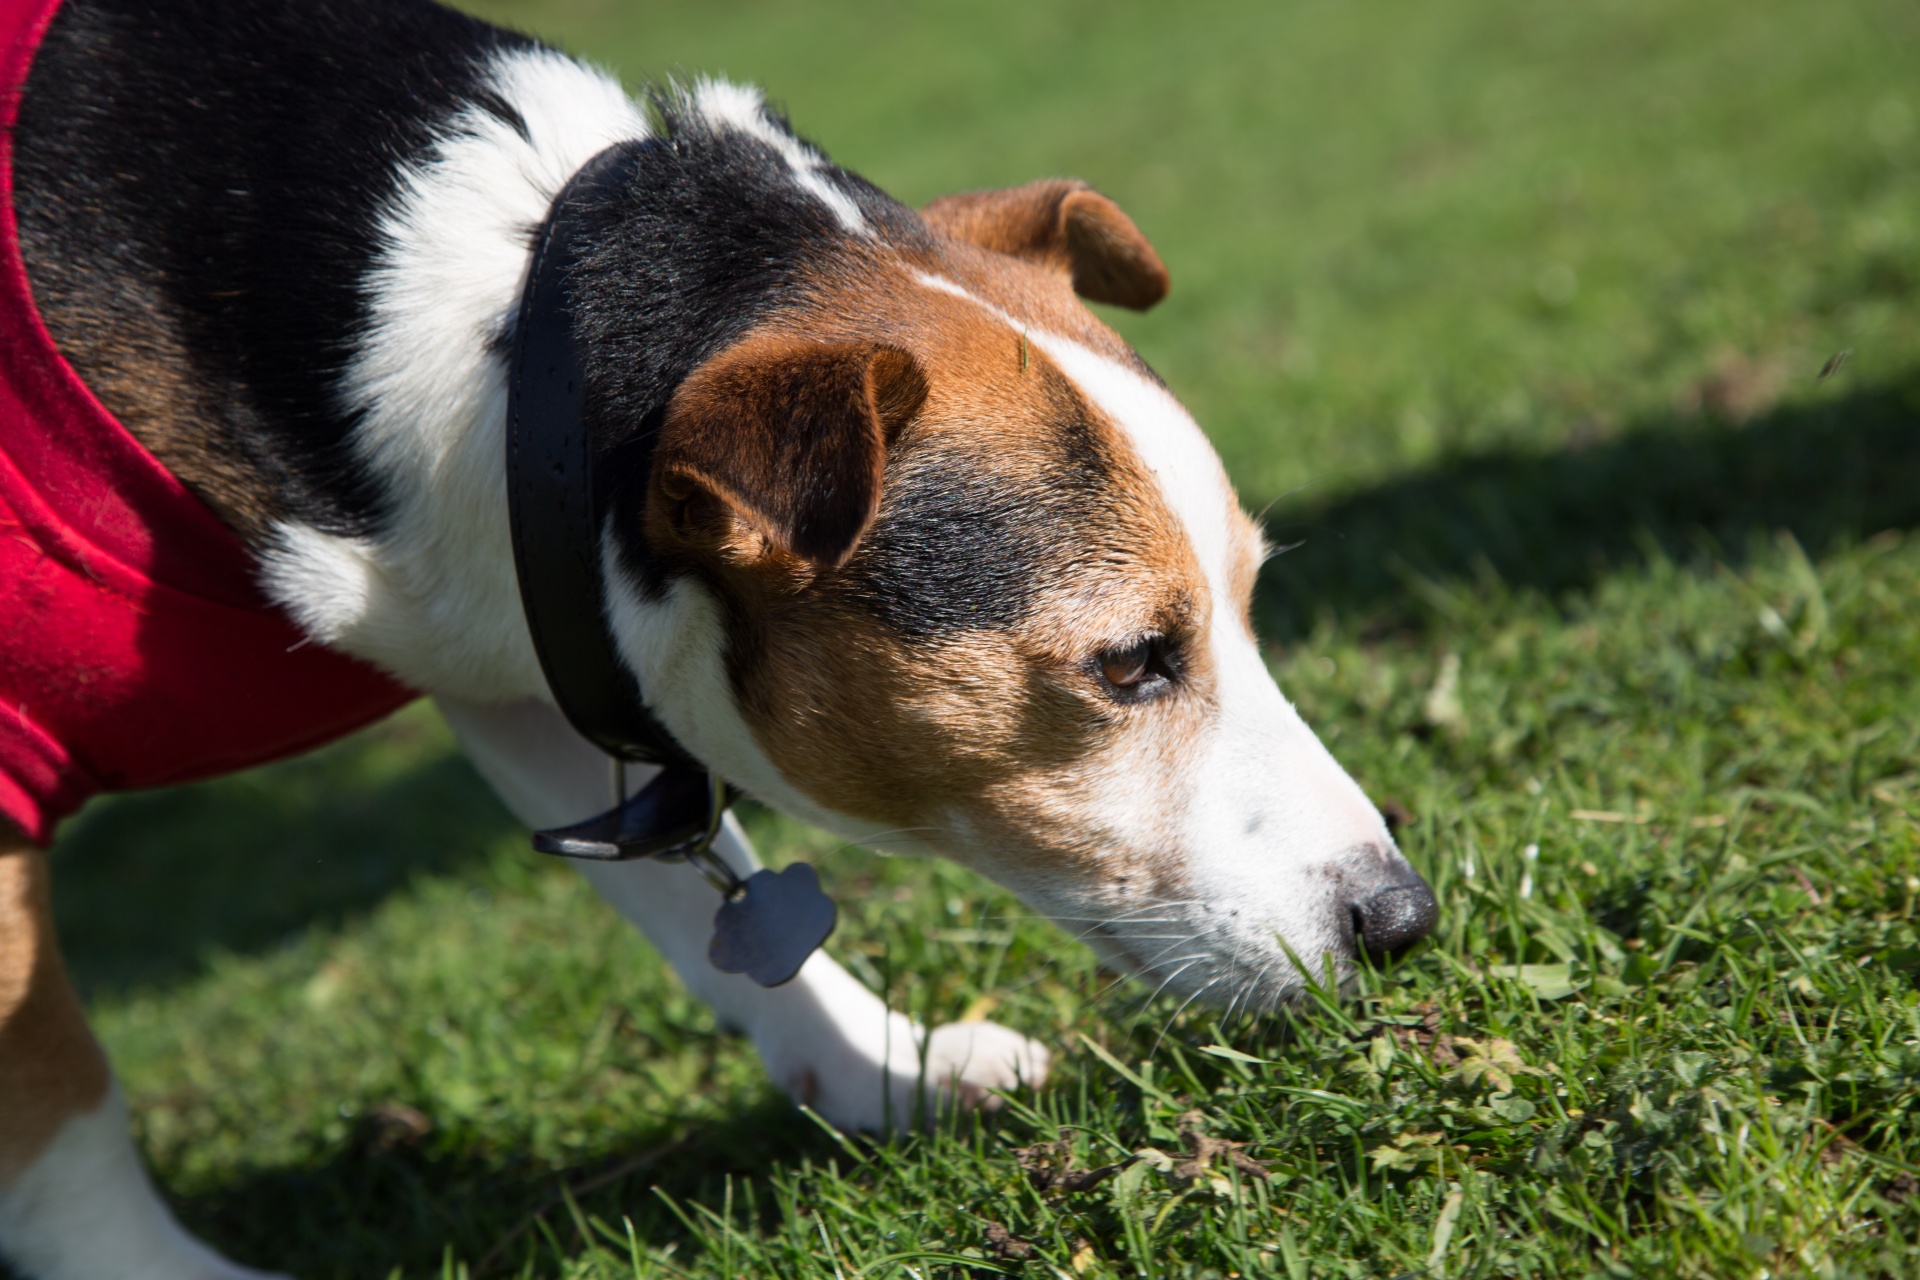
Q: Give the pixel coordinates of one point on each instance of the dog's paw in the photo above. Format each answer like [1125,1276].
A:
[863,1087]
[968,1060]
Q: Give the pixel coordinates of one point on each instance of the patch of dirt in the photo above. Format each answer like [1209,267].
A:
[1005,1246]
[1739,389]
[1049,1167]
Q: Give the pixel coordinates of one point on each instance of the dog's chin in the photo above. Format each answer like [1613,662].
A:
[1236,985]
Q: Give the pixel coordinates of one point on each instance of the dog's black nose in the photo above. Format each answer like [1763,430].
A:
[1389,919]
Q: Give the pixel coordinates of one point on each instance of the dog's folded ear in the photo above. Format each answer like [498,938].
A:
[1065,224]
[787,437]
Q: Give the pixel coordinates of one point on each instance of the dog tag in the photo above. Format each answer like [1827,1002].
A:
[776,922]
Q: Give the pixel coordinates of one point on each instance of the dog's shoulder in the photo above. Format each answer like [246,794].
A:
[199,192]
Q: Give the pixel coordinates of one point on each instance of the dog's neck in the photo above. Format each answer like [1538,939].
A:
[716,229]
[308,324]
[431,595]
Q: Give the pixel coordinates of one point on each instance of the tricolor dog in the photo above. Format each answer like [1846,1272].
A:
[883,525]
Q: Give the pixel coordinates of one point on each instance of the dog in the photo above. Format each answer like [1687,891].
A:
[898,537]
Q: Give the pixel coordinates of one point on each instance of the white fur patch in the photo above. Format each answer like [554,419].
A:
[85,1210]
[739,107]
[1270,815]
[1167,439]
[677,646]
[434,599]
[1271,821]
[940,284]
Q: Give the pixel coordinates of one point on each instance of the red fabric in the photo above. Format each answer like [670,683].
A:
[135,648]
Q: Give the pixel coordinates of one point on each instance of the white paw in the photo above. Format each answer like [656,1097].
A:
[171,1254]
[967,1059]
[860,1087]
[85,1210]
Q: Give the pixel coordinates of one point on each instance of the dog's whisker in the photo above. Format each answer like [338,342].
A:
[1121,980]
[1176,1015]
[1158,904]
[884,836]
[1121,917]
[1164,982]
[1234,968]
[1114,925]
[1154,959]
[1123,938]
[1246,989]
[1118,981]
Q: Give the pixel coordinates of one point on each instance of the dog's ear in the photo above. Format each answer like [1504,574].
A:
[788,438]
[1065,224]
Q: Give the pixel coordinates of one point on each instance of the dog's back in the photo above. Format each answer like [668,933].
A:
[201,186]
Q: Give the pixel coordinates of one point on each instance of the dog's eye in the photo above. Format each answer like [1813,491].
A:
[1126,668]
[1136,671]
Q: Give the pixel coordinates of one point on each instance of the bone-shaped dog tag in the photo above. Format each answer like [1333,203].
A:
[773,925]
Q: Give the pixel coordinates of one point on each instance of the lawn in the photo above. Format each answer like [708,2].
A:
[1575,352]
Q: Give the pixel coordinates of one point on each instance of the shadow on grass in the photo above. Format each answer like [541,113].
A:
[376,1205]
[148,885]
[1832,471]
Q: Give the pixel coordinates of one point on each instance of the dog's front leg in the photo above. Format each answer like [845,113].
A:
[75,1203]
[825,1039]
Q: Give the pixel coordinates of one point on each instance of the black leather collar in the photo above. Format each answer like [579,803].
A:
[769,923]
[551,500]
[557,529]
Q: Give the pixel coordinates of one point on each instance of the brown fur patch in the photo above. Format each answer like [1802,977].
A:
[791,436]
[1063,224]
[997,745]
[51,1068]
[1247,551]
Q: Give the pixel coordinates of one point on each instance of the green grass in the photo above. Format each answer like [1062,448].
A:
[1516,313]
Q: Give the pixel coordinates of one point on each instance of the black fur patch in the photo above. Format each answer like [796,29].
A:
[959,546]
[712,237]
[217,168]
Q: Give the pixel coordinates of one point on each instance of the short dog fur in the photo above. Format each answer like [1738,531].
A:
[926,555]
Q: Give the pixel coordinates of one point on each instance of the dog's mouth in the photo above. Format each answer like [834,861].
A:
[1205,966]
[1215,959]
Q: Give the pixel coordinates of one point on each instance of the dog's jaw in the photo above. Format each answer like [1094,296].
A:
[676,644]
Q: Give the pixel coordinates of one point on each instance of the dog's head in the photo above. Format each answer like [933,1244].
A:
[928,555]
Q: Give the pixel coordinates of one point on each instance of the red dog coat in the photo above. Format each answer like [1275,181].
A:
[136,649]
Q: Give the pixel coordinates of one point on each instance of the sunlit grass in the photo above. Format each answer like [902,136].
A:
[1520,314]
